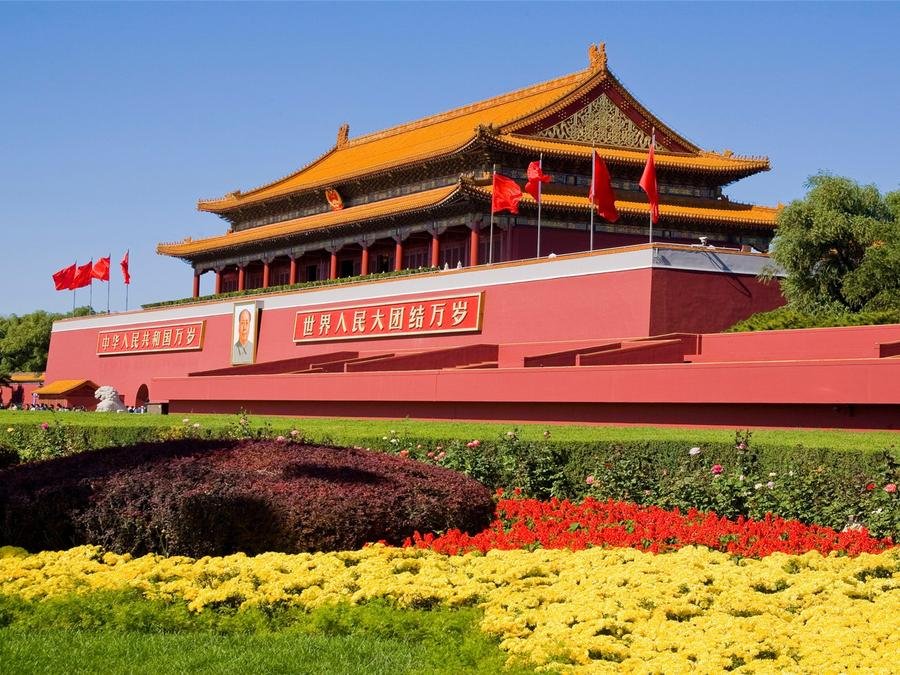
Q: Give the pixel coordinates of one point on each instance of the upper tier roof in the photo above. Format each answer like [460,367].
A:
[722,213]
[525,111]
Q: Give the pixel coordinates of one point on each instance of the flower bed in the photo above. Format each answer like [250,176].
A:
[593,610]
[529,523]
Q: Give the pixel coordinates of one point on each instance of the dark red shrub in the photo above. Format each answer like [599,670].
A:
[217,497]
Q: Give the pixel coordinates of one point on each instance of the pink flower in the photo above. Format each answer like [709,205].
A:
[589,480]
[431,455]
[716,469]
[294,433]
[741,446]
[441,456]
[890,487]
[45,426]
[280,439]
[473,444]
[404,453]
[439,448]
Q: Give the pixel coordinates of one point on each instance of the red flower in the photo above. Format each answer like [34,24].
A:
[870,486]
[716,469]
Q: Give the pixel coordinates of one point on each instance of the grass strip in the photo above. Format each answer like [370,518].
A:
[114,632]
[354,431]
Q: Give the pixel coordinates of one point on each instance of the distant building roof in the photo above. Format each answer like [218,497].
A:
[63,387]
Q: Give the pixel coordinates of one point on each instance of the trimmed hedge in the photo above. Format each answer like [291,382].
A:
[787,318]
[218,497]
[815,485]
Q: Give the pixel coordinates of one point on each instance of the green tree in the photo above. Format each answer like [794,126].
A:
[840,248]
[25,340]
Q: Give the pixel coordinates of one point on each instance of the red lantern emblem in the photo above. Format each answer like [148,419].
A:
[334,199]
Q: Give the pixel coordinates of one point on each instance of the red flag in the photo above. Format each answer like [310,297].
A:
[648,185]
[601,194]
[64,278]
[101,269]
[82,275]
[535,177]
[124,265]
[505,195]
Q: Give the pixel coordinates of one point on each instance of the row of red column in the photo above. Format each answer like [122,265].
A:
[332,270]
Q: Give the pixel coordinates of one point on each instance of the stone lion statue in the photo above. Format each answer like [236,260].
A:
[109,400]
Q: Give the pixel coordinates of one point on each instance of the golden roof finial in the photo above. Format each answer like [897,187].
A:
[343,135]
[597,56]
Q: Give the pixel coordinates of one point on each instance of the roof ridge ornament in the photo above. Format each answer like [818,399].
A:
[597,56]
[343,135]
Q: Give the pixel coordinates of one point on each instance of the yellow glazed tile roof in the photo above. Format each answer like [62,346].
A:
[60,387]
[319,221]
[428,137]
[724,212]
[26,377]
[703,161]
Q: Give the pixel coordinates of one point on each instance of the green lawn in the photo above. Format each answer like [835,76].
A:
[346,431]
[119,632]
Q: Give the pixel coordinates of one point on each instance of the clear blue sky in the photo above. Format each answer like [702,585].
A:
[116,118]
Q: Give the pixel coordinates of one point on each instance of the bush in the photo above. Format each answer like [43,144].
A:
[788,317]
[200,498]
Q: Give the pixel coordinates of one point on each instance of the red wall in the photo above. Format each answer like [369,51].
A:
[680,297]
[589,307]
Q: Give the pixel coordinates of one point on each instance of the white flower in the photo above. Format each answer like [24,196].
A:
[694,451]
[772,474]
[395,440]
[758,486]
[186,420]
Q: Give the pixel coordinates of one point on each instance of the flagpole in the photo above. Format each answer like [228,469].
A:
[491,236]
[541,167]
[593,197]
[91,294]
[108,281]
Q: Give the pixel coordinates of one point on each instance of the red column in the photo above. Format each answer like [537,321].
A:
[332,273]
[240,278]
[473,247]
[196,285]
[398,256]
[218,281]
[293,278]
[364,263]
[265,274]
[435,250]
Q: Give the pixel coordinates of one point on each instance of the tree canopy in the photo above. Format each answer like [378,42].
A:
[25,340]
[840,248]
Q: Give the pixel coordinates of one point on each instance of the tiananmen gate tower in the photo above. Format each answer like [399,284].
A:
[377,282]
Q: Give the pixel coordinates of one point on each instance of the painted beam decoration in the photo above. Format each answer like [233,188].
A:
[428,316]
[179,337]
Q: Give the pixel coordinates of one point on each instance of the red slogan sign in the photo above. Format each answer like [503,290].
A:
[179,337]
[457,314]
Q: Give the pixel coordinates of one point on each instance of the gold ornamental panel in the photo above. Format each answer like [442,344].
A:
[603,123]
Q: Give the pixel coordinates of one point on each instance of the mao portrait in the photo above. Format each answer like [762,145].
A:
[243,347]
